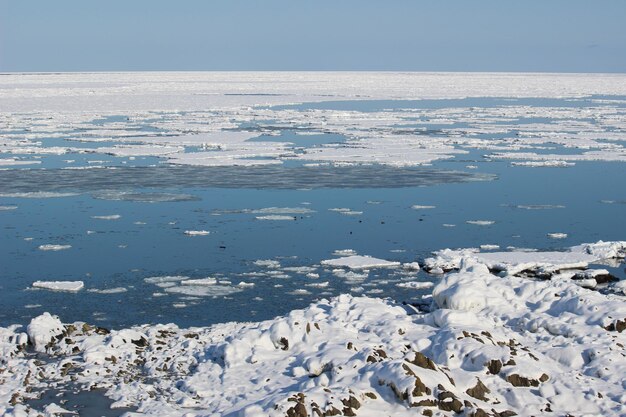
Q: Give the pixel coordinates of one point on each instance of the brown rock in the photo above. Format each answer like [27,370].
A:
[617,325]
[423,361]
[494,366]
[522,381]
[298,410]
[351,402]
[478,391]
[449,402]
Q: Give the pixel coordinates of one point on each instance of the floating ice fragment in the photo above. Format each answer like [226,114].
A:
[107,217]
[267,263]
[360,262]
[275,217]
[51,247]
[415,285]
[344,252]
[116,290]
[201,281]
[548,164]
[418,207]
[70,286]
[480,222]
[557,235]
[196,232]
[7,208]
[489,247]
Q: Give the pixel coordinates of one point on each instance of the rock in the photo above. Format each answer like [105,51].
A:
[617,325]
[478,391]
[449,402]
[351,402]
[521,381]
[423,361]
[283,343]
[298,410]
[494,366]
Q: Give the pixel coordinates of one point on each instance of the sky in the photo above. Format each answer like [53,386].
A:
[391,35]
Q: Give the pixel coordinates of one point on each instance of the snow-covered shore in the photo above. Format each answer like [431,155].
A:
[498,340]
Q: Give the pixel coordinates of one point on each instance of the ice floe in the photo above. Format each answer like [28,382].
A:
[557,235]
[53,247]
[70,286]
[196,232]
[275,217]
[360,262]
[480,222]
[107,217]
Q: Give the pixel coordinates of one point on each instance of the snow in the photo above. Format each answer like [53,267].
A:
[42,329]
[360,262]
[70,286]
[516,261]
[490,342]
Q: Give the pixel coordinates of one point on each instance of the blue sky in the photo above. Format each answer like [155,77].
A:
[405,35]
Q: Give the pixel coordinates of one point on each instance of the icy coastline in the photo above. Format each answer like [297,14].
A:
[506,333]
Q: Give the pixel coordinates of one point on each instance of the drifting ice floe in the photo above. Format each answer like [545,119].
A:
[360,262]
[107,217]
[275,217]
[480,222]
[491,345]
[51,247]
[71,286]
[557,235]
[196,232]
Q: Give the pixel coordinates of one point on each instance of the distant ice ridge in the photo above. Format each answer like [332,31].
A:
[490,345]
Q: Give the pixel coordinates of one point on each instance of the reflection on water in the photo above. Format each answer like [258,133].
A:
[277,177]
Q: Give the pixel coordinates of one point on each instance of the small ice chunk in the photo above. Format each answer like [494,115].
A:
[415,285]
[317,284]
[489,247]
[196,232]
[201,281]
[267,263]
[557,235]
[7,208]
[116,290]
[71,286]
[244,284]
[344,252]
[360,262]
[50,247]
[480,222]
[275,217]
[164,279]
[418,207]
[107,217]
[411,266]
